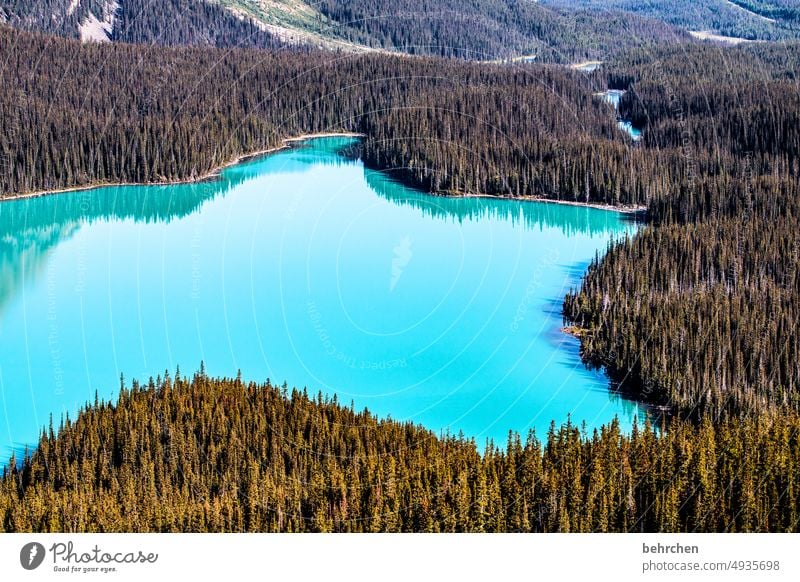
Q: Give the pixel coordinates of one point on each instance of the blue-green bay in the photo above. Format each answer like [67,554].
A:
[305,267]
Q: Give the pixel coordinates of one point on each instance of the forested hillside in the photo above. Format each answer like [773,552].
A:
[148,114]
[188,22]
[479,30]
[745,19]
[700,311]
[775,9]
[219,455]
[54,16]
[491,29]
[165,22]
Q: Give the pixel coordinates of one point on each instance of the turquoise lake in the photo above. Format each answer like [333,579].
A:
[304,267]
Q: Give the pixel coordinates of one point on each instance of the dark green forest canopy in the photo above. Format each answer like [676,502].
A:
[82,114]
[164,22]
[746,19]
[700,311]
[477,30]
[201,454]
[491,29]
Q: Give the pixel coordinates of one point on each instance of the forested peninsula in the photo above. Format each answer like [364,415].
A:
[220,455]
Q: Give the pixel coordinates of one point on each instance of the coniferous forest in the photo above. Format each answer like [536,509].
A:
[705,309]
[696,314]
[150,114]
[199,454]
[481,30]
[747,19]
[167,22]
[490,29]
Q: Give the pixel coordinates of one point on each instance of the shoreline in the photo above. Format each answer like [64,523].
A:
[622,209]
[286,143]
[195,180]
[575,331]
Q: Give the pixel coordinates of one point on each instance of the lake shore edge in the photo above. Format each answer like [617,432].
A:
[286,143]
[621,208]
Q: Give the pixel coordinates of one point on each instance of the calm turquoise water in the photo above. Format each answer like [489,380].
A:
[306,268]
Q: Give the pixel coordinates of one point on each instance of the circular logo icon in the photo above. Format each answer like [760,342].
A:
[31,555]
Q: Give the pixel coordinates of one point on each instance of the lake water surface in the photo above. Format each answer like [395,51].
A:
[304,267]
